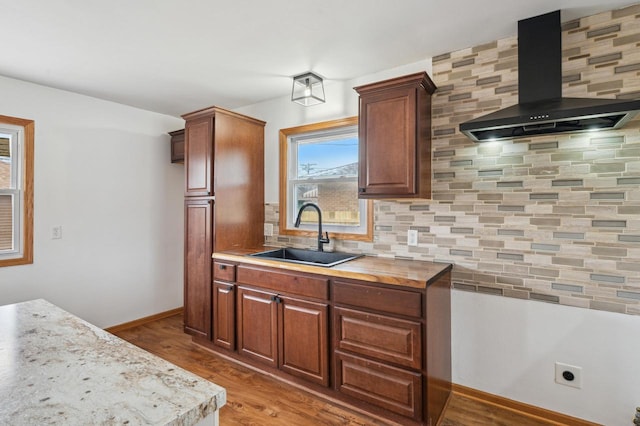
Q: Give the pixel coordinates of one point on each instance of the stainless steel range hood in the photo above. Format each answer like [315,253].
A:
[541,108]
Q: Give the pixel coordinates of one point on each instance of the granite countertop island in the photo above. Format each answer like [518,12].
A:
[56,368]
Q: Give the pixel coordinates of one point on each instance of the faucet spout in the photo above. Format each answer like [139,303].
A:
[322,239]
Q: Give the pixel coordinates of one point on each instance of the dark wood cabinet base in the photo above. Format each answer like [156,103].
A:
[377,348]
[330,395]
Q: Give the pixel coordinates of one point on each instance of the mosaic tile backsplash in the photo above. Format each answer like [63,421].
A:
[550,218]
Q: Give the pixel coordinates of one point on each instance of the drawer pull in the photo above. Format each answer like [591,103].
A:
[222,267]
[230,288]
[276,299]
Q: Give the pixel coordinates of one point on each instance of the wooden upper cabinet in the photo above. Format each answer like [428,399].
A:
[177,146]
[395,138]
[224,157]
[199,157]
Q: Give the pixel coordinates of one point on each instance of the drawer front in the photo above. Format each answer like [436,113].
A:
[298,284]
[224,271]
[399,302]
[393,389]
[380,337]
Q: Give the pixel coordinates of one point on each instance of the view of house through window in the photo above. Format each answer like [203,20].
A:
[16,191]
[322,168]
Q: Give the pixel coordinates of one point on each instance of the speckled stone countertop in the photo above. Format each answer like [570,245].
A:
[56,368]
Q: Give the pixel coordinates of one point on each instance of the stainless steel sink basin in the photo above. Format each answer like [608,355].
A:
[306,257]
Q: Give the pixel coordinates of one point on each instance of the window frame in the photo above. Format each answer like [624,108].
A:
[284,136]
[24,168]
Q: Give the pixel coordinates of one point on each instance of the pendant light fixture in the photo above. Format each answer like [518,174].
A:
[307,89]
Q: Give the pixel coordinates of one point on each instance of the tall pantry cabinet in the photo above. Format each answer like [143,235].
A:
[224,200]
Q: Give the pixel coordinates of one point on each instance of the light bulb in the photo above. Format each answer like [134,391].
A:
[307,88]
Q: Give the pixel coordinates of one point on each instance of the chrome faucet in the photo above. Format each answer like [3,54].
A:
[321,240]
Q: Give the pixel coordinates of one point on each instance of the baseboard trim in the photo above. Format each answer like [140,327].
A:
[520,407]
[141,321]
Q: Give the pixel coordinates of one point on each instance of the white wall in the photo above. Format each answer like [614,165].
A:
[103,172]
[509,347]
[341,102]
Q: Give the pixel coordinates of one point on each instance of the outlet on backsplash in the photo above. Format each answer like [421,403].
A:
[412,237]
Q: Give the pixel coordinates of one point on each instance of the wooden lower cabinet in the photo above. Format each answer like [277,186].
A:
[257,326]
[224,315]
[198,246]
[284,332]
[381,348]
[304,339]
[391,388]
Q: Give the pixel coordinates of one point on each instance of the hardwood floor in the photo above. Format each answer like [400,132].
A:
[257,399]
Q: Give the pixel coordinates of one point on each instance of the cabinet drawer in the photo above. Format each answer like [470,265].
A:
[224,271]
[299,284]
[389,300]
[391,388]
[380,337]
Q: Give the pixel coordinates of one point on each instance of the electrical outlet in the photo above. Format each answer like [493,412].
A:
[412,237]
[56,232]
[268,229]
[569,375]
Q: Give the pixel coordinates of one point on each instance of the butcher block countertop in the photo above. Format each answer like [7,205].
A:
[406,273]
[56,368]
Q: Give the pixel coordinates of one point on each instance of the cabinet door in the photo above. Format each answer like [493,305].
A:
[197,268]
[224,312]
[258,325]
[387,134]
[177,146]
[304,339]
[198,159]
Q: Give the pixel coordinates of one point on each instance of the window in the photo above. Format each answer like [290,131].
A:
[16,191]
[319,164]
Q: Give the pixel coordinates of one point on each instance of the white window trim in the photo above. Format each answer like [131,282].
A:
[16,148]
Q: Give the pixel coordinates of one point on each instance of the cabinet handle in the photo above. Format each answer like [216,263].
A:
[230,288]
[276,299]
[362,189]
[223,267]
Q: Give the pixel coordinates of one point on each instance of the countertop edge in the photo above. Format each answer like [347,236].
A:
[354,269]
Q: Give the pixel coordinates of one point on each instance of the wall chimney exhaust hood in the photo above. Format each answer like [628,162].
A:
[541,109]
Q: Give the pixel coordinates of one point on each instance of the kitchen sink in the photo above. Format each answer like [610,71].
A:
[306,257]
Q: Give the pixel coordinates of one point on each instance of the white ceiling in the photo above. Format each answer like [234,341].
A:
[176,56]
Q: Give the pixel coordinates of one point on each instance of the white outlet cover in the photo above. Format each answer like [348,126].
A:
[268,229]
[576,371]
[412,237]
[56,232]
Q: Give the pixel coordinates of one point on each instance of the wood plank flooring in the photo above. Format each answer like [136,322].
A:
[257,399]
